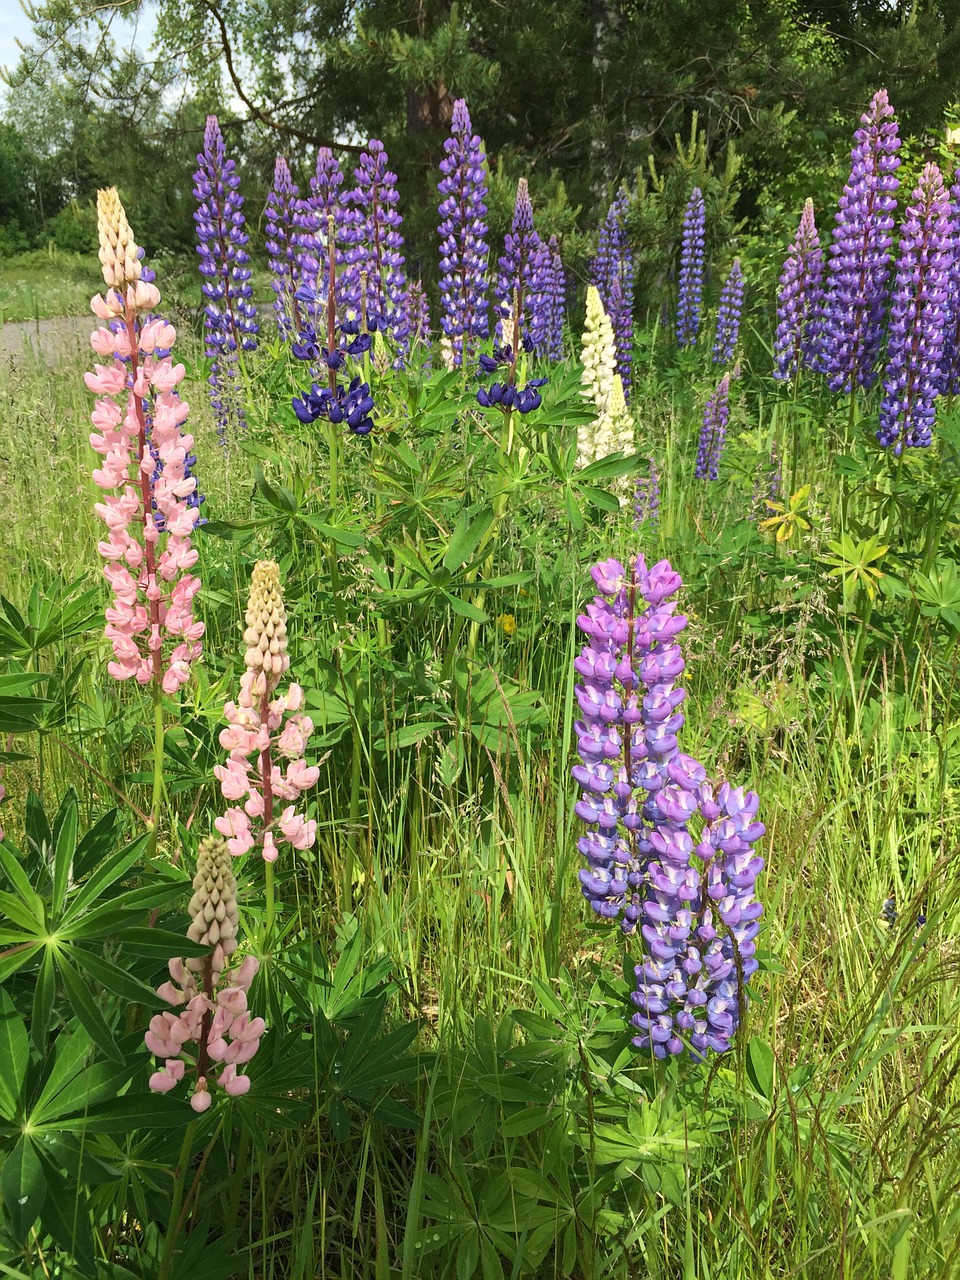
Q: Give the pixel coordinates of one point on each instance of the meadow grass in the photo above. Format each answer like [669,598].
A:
[825,1145]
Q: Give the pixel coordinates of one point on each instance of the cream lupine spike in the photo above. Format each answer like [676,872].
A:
[213,906]
[613,430]
[266,618]
[119,253]
[601,382]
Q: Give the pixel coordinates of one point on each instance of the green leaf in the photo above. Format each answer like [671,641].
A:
[466,537]
[107,874]
[148,1111]
[23,1187]
[464,608]
[67,1219]
[525,1121]
[760,1066]
[85,1007]
[65,826]
[342,537]
[14,1057]
[43,996]
[112,977]
[159,944]
[17,957]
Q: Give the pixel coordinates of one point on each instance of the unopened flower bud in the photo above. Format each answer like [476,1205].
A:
[214,902]
[119,253]
[266,631]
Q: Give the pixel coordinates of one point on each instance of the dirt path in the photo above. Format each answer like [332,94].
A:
[47,342]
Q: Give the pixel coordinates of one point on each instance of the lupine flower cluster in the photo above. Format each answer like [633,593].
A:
[463,237]
[800,301]
[385,303]
[515,274]
[290,245]
[646,498]
[692,249]
[557,301]
[262,734]
[145,454]
[918,315]
[950,350]
[855,293]
[212,997]
[613,274]
[689,893]
[713,432]
[230,318]
[613,427]
[728,315]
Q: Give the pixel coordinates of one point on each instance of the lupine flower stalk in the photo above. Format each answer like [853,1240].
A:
[211,996]
[728,315]
[613,273]
[267,735]
[230,318]
[713,432]
[689,893]
[646,498]
[139,418]
[800,301]
[464,250]
[692,250]
[600,379]
[384,298]
[950,350]
[918,316]
[558,302]
[858,271]
[515,274]
[285,254]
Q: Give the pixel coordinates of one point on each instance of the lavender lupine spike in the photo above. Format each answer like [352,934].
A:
[713,432]
[558,302]
[514,277]
[230,320]
[621,317]
[646,499]
[541,297]
[384,283]
[613,273]
[419,313]
[950,350]
[800,301]
[728,315]
[918,315]
[858,271]
[283,249]
[693,904]
[464,251]
[692,249]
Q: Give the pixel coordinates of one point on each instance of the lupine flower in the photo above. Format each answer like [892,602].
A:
[950,350]
[541,297]
[713,432]
[728,315]
[693,903]
[230,318]
[800,300]
[143,439]
[558,302]
[329,217]
[514,277]
[261,735]
[463,236]
[692,248]
[285,253]
[385,302]
[419,313]
[612,429]
[855,293]
[212,997]
[646,498]
[613,273]
[352,404]
[621,317]
[918,315]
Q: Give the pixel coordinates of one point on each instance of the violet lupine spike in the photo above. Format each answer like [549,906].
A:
[558,302]
[514,276]
[646,498]
[693,904]
[541,297]
[282,247]
[692,249]
[918,314]
[621,317]
[728,315]
[383,282]
[950,351]
[230,322]
[464,251]
[800,301]
[713,432]
[612,271]
[855,292]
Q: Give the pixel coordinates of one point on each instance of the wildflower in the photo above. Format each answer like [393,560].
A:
[211,995]
[260,731]
[950,350]
[385,301]
[613,426]
[507,624]
[713,432]
[800,300]
[290,246]
[515,274]
[728,315]
[612,271]
[153,592]
[558,302]
[463,236]
[859,267]
[646,501]
[692,249]
[230,318]
[690,899]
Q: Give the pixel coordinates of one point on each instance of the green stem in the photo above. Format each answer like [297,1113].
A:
[179,1182]
[271,906]
[333,444]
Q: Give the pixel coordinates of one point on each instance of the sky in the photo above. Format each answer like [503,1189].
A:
[14,25]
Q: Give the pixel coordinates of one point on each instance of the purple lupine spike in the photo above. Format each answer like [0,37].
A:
[646,498]
[728,315]
[694,905]
[322,214]
[918,314]
[713,432]
[855,292]
[464,251]
[612,271]
[419,313]
[541,296]
[283,249]
[950,350]
[514,280]
[692,249]
[230,322]
[384,283]
[558,302]
[800,301]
